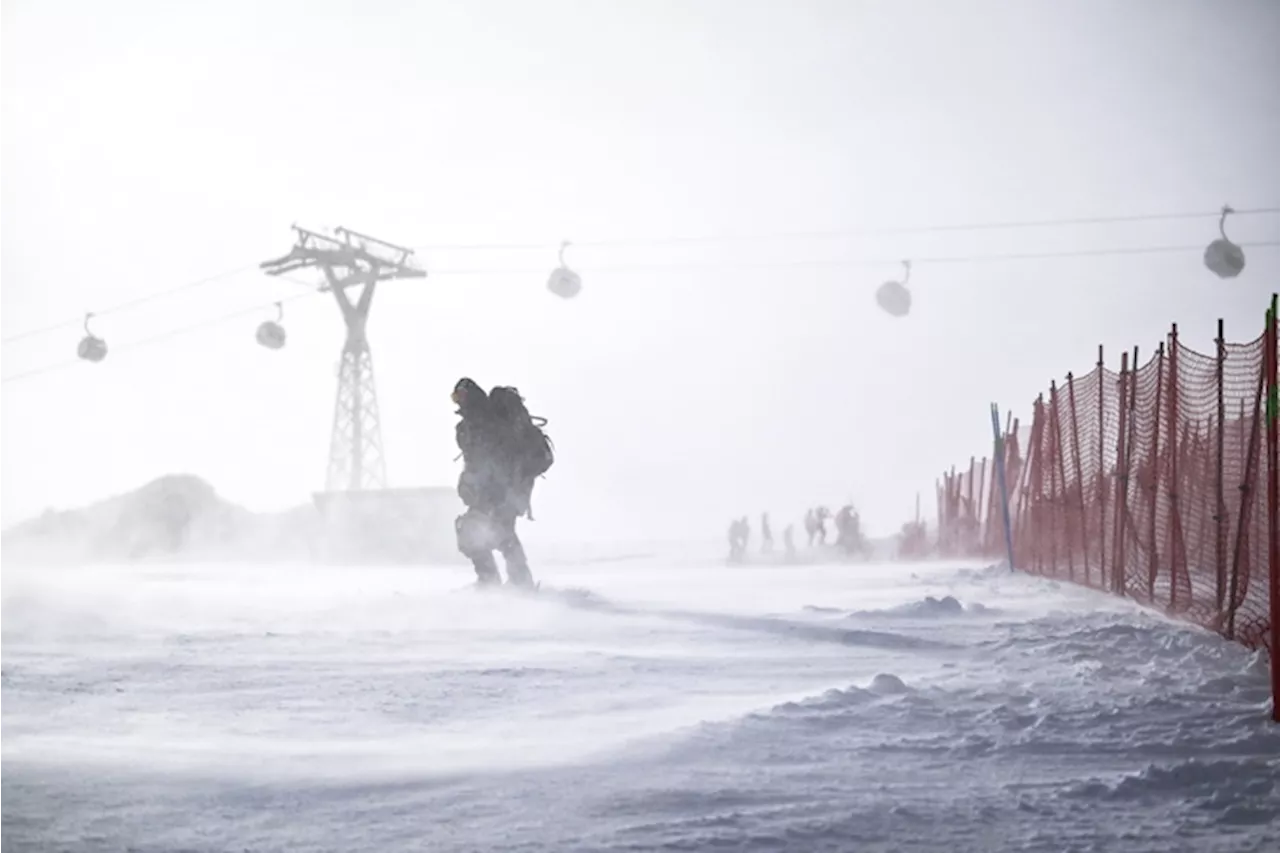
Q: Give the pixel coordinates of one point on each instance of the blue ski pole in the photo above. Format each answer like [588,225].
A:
[1004,488]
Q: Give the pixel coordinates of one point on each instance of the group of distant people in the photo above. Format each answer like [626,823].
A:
[740,535]
[849,537]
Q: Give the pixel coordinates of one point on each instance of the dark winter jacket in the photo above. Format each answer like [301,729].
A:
[490,481]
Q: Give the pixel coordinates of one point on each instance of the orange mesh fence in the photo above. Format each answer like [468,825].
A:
[1151,483]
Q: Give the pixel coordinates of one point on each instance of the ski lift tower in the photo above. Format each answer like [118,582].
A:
[356,263]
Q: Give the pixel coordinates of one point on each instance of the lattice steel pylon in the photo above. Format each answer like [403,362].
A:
[357,261]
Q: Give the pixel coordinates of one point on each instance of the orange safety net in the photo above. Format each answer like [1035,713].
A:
[1150,483]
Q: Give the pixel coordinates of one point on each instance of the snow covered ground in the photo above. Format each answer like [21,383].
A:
[646,704]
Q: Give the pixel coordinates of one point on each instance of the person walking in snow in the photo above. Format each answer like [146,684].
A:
[735,540]
[503,453]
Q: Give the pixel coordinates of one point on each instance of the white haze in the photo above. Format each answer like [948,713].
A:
[147,144]
[243,695]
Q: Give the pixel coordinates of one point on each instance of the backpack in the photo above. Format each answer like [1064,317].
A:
[531,449]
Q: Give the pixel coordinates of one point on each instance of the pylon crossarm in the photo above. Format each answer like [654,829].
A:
[288,263]
[306,238]
[366,268]
[347,234]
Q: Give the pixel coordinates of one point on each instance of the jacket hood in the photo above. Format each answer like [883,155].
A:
[468,396]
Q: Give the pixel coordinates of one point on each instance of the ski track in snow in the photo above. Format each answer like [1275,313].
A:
[641,705]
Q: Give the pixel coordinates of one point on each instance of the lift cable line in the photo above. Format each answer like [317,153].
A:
[855,262]
[645,267]
[1015,224]
[868,231]
[132,303]
[165,336]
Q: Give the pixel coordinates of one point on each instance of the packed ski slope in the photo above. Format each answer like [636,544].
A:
[648,704]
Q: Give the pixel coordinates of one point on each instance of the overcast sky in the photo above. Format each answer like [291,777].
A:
[147,144]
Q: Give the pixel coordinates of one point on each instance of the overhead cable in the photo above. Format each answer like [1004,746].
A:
[866,231]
